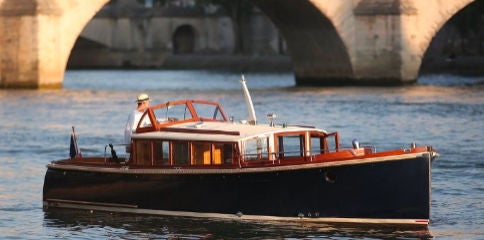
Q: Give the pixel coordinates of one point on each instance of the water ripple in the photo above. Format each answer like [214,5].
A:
[442,111]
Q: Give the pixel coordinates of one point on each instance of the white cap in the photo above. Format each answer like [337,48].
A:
[142,97]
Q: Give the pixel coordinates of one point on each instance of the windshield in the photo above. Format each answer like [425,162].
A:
[208,111]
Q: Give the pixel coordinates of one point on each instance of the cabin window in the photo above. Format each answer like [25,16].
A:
[157,153]
[143,152]
[290,145]
[331,142]
[181,154]
[207,153]
[222,153]
[161,153]
[201,153]
[317,145]
[256,149]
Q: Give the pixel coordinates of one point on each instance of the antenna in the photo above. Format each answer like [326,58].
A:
[248,102]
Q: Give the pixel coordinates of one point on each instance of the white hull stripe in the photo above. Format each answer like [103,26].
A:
[127,170]
[57,203]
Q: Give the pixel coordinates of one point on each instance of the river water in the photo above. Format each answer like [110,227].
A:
[444,111]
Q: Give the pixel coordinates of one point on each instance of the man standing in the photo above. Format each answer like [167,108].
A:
[143,101]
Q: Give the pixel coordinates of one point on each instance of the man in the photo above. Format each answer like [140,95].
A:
[143,101]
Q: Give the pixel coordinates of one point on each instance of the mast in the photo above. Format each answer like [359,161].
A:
[248,102]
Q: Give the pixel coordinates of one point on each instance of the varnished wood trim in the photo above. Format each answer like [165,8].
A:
[202,131]
[188,170]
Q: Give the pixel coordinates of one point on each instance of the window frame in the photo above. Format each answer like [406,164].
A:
[280,150]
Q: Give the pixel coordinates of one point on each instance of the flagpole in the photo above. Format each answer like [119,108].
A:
[75,141]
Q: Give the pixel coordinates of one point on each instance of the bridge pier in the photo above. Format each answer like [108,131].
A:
[362,45]
[30,45]
[384,52]
[362,42]
[36,38]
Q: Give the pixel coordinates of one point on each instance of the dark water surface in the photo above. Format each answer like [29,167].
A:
[444,111]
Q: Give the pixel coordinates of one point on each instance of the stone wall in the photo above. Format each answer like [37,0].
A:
[132,36]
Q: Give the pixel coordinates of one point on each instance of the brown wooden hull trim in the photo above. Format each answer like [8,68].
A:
[127,170]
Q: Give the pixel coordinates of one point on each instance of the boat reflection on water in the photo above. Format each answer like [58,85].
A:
[82,223]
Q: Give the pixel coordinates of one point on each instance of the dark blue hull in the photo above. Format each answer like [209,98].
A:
[383,189]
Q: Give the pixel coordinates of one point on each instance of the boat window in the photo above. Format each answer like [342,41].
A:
[160,115]
[256,149]
[331,145]
[290,145]
[161,153]
[208,111]
[201,153]
[317,145]
[222,153]
[180,153]
[145,121]
[143,152]
[172,113]
[208,153]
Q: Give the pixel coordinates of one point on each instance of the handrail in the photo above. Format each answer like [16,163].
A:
[112,151]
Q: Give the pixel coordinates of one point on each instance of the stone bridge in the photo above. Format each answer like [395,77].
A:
[378,42]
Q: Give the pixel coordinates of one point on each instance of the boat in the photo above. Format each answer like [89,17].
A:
[189,159]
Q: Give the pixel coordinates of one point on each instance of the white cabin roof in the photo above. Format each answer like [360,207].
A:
[218,131]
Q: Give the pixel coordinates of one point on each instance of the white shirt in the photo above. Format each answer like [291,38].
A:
[131,124]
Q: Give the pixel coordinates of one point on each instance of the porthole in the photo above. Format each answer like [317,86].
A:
[330,177]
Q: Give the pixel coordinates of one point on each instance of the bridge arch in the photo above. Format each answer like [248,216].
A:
[184,39]
[77,13]
[437,27]
[314,43]
[433,21]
